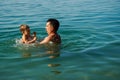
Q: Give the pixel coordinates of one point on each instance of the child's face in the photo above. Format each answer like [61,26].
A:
[49,28]
[25,30]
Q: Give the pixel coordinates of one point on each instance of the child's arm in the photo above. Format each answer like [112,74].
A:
[34,38]
[24,39]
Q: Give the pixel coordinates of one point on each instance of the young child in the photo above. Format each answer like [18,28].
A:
[52,26]
[26,37]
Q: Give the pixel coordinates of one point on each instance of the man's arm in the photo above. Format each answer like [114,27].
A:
[46,40]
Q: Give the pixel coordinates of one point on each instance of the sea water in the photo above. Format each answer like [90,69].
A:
[90,32]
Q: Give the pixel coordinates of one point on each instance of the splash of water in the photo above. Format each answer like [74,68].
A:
[22,46]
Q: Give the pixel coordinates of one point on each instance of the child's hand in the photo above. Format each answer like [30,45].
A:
[34,33]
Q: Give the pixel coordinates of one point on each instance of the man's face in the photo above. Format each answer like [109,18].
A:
[49,28]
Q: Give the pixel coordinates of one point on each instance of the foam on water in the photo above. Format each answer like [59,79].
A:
[22,46]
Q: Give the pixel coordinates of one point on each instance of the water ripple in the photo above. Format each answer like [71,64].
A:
[90,39]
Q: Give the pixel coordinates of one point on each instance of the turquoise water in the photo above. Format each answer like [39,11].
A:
[90,31]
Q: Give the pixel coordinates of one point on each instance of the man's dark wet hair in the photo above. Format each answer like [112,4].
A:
[55,23]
